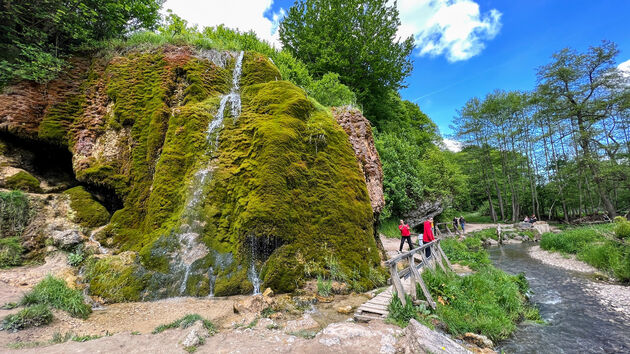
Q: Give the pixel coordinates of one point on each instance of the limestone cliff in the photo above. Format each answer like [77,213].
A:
[221,177]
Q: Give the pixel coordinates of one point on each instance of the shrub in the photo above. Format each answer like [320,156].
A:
[74,259]
[55,293]
[186,322]
[32,316]
[23,181]
[622,227]
[14,213]
[10,252]
[330,92]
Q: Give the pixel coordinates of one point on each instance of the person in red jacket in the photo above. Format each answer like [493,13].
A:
[405,235]
[428,235]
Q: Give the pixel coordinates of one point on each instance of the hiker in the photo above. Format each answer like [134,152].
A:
[526,219]
[533,219]
[455,223]
[428,235]
[405,235]
[462,223]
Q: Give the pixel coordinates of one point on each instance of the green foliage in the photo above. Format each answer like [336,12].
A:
[355,39]
[594,245]
[489,302]
[113,279]
[10,252]
[329,91]
[389,228]
[75,259]
[23,181]
[36,36]
[324,287]
[32,316]
[622,227]
[55,293]
[400,314]
[87,211]
[186,322]
[469,253]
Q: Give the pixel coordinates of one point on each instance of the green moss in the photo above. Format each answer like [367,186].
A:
[10,252]
[258,69]
[23,181]
[87,211]
[114,278]
[59,118]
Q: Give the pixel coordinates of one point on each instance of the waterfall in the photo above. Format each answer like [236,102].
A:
[102,249]
[192,227]
[252,274]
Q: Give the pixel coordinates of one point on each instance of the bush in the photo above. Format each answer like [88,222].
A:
[23,181]
[330,92]
[10,252]
[14,213]
[186,322]
[55,293]
[74,259]
[32,316]
[622,227]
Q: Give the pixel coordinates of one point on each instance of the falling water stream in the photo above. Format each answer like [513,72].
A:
[192,226]
[575,320]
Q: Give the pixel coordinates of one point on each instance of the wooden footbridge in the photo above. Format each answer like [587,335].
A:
[404,281]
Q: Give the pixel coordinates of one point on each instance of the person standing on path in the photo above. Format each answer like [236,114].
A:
[462,223]
[456,224]
[405,235]
[428,235]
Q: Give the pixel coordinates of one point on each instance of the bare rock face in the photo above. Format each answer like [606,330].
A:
[359,131]
[423,211]
[421,339]
[67,238]
[541,227]
[478,340]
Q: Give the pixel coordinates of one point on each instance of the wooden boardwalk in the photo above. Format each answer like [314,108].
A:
[377,307]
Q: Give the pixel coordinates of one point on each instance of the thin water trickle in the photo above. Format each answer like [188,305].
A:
[253,274]
[192,250]
[575,321]
[102,249]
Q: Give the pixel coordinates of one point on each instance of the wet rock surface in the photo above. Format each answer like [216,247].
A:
[421,339]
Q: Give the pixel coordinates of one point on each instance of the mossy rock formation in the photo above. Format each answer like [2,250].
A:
[209,206]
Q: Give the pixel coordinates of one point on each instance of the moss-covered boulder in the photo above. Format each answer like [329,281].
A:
[230,178]
[10,252]
[23,181]
[88,211]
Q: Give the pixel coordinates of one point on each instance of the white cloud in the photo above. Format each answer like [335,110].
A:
[625,68]
[454,28]
[244,15]
[452,145]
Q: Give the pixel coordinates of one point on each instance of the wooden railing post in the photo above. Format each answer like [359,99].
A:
[396,283]
[412,277]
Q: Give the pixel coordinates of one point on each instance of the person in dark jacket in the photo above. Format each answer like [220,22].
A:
[405,235]
[456,223]
[462,223]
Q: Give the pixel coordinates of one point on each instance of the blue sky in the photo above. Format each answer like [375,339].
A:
[481,45]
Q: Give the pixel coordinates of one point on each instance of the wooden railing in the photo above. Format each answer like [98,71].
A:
[437,256]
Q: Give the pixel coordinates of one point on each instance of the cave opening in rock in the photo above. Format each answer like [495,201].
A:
[51,164]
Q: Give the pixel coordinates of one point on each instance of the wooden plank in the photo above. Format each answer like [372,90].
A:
[396,282]
[365,318]
[426,292]
[439,247]
[412,266]
[367,307]
[402,256]
[438,257]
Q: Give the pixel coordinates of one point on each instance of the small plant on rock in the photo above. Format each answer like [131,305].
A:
[75,259]
[324,287]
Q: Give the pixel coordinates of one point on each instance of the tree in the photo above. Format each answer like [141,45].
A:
[356,39]
[587,88]
[36,35]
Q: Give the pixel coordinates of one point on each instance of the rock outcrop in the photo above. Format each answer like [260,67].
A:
[222,177]
[421,339]
[359,131]
[424,211]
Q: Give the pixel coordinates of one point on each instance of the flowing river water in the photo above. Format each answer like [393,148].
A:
[575,320]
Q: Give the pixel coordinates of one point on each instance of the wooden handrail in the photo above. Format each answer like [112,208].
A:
[400,257]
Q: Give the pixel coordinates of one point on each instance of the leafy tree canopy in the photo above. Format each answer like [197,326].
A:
[356,39]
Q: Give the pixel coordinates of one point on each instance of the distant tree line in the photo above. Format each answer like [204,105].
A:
[561,150]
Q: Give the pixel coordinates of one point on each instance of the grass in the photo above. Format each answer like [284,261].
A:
[186,322]
[324,287]
[389,228]
[400,314]
[489,302]
[32,316]
[10,252]
[595,245]
[14,213]
[470,252]
[55,293]
[477,218]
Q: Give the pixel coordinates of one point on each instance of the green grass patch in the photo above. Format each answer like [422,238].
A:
[595,245]
[477,218]
[389,228]
[489,302]
[32,316]
[186,322]
[470,252]
[55,293]
[14,213]
[10,252]
[400,314]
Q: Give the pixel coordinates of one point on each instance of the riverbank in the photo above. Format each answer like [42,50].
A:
[611,296]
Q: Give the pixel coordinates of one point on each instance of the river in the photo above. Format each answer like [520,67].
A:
[575,321]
